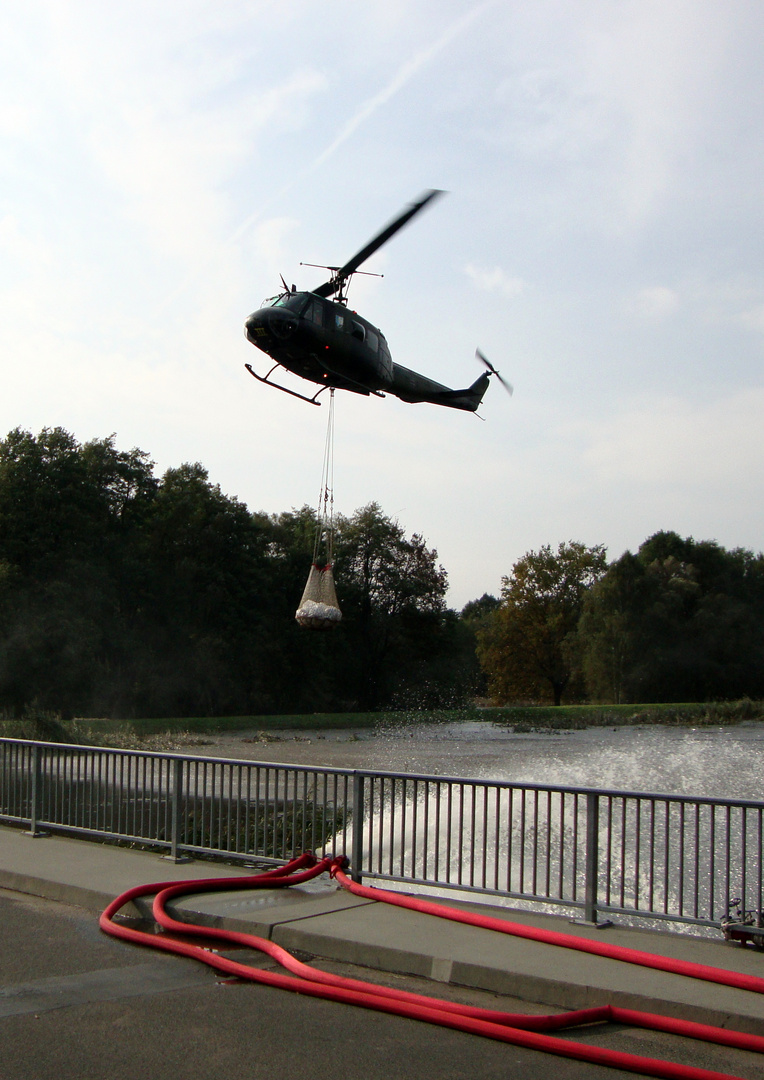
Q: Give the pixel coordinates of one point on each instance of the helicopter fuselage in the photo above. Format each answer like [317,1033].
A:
[322,341]
[328,344]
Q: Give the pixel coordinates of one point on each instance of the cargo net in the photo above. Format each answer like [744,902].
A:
[318,608]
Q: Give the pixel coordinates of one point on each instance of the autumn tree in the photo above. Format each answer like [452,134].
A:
[528,646]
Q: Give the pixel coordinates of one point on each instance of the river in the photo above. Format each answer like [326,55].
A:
[727,762]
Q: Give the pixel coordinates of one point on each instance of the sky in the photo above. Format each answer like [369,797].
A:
[601,242]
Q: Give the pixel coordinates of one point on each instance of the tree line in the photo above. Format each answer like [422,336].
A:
[679,621]
[125,594]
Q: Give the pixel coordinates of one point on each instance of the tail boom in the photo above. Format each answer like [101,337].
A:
[412,387]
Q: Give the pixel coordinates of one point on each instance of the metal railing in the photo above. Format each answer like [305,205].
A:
[656,856]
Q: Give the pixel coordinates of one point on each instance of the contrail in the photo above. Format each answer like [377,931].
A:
[367,109]
[399,80]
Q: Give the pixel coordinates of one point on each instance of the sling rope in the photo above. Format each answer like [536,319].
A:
[319,609]
[325,522]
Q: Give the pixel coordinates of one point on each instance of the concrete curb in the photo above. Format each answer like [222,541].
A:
[322,920]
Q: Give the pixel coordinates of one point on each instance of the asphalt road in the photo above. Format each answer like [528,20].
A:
[77,1005]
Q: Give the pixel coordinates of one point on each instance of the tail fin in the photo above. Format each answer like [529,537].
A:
[468,399]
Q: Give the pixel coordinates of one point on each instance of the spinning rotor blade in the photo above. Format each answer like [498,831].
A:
[492,371]
[381,238]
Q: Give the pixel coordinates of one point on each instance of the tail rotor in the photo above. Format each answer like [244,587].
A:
[492,371]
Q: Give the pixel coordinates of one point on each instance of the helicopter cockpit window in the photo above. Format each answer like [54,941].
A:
[357,331]
[292,301]
[315,313]
[372,341]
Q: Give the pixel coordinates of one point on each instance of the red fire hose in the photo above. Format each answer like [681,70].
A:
[554,937]
[518,1029]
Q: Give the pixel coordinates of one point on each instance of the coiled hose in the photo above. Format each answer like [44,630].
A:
[516,1028]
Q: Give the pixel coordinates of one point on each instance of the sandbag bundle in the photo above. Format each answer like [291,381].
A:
[318,608]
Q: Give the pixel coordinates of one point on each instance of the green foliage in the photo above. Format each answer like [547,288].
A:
[528,646]
[393,604]
[572,717]
[681,620]
[124,595]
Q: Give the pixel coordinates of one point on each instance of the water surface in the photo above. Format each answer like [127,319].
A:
[727,762]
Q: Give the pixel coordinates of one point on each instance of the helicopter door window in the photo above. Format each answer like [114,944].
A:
[339,321]
[357,331]
[372,340]
[315,313]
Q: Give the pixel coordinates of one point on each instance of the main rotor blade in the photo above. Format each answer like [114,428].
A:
[381,238]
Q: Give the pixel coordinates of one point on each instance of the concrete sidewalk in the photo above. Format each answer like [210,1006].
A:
[324,920]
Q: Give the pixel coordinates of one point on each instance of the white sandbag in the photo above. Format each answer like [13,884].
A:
[318,608]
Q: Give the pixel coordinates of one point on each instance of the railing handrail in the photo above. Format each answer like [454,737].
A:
[526,785]
[642,854]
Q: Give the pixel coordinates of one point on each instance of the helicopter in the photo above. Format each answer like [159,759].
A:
[323,341]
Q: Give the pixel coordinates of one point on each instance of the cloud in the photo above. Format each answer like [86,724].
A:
[673,442]
[753,318]
[494,280]
[653,302]
[171,168]
[16,245]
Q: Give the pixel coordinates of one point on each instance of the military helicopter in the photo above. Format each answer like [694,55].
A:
[321,340]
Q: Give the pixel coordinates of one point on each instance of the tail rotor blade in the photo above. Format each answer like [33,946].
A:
[492,371]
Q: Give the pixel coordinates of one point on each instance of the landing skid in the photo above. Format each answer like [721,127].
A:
[277,386]
[346,384]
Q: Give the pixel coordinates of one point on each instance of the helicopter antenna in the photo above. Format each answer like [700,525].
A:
[343,283]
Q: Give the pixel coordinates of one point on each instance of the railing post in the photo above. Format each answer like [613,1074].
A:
[591,870]
[356,854]
[175,794]
[35,793]
[35,781]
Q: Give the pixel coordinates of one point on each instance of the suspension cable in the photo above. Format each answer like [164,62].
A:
[325,515]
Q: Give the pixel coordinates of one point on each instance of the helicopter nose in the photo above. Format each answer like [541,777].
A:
[253,327]
[267,323]
[280,323]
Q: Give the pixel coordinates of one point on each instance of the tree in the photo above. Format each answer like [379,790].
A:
[528,647]
[65,513]
[474,618]
[202,600]
[679,621]
[392,593]
[122,594]
[62,502]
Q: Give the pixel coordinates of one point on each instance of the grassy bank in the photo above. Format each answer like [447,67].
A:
[169,733]
[694,714]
